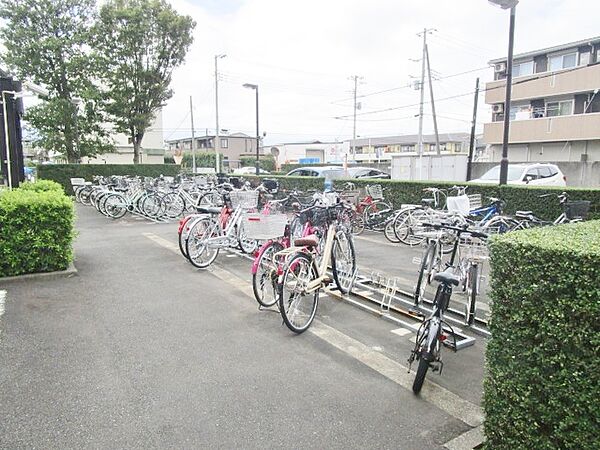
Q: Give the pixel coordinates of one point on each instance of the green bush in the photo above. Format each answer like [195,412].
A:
[542,385]
[37,231]
[42,186]
[203,159]
[62,173]
[264,162]
[516,197]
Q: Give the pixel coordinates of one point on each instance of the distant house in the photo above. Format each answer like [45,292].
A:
[232,146]
[383,148]
[312,152]
[152,151]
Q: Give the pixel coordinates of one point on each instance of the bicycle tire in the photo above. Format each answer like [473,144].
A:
[291,295]
[174,205]
[424,270]
[420,377]
[152,205]
[115,211]
[405,224]
[473,275]
[343,271]
[198,252]
[246,245]
[389,231]
[499,225]
[372,214]
[183,235]
[266,272]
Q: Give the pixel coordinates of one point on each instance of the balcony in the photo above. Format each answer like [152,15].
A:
[568,81]
[577,127]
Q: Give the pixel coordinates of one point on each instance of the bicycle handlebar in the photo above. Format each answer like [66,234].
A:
[473,233]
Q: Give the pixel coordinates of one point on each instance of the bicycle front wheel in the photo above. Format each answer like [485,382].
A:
[424,272]
[297,306]
[343,261]
[174,205]
[199,251]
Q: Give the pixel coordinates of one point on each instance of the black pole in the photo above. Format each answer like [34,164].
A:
[472,142]
[511,38]
[257,136]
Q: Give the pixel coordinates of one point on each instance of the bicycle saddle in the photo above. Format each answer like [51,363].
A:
[309,241]
[208,210]
[428,201]
[524,214]
[447,277]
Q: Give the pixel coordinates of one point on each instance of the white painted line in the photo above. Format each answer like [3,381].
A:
[445,400]
[2,300]
[231,256]
[413,339]
[401,331]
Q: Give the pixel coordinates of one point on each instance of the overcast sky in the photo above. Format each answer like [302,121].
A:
[302,54]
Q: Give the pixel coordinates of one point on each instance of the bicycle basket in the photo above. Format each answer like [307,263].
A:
[473,249]
[244,199]
[263,227]
[474,201]
[577,209]
[375,191]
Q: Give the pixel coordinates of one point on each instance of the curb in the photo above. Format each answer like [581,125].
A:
[69,272]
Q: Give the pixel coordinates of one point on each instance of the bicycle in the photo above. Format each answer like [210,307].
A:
[301,277]
[431,334]
[219,228]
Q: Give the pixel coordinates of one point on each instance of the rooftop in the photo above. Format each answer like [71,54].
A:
[412,139]
[556,48]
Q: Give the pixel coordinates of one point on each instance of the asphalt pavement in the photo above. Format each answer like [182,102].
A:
[142,350]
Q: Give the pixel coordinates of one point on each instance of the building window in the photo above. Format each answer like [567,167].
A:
[563,61]
[584,58]
[224,143]
[522,69]
[130,140]
[407,148]
[563,108]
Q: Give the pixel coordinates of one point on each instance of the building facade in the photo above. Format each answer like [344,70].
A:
[384,148]
[232,146]
[555,105]
[313,152]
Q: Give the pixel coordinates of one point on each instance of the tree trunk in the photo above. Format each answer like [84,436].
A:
[137,147]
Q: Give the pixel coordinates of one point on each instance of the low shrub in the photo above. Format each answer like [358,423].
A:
[36,230]
[42,186]
[543,371]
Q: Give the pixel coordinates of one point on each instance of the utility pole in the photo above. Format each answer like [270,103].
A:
[217,140]
[355,78]
[193,138]
[509,64]
[435,127]
[421,86]
[472,142]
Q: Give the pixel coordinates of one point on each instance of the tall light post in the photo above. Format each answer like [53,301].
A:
[507,4]
[217,137]
[255,87]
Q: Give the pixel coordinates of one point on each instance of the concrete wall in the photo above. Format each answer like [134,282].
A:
[445,167]
[578,174]
[570,151]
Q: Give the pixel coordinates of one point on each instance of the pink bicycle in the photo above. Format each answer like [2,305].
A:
[264,268]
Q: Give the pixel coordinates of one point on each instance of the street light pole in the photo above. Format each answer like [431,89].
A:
[217,140]
[509,64]
[507,4]
[255,87]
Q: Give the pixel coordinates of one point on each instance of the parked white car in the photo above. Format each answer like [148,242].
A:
[249,170]
[536,174]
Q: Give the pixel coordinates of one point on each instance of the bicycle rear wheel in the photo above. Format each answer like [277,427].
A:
[472,288]
[407,223]
[420,377]
[343,261]
[115,206]
[264,281]
[174,205]
[297,306]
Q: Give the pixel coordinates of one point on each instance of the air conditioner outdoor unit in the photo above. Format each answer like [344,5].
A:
[500,67]
[498,109]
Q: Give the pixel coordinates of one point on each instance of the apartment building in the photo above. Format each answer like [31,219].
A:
[555,105]
[233,146]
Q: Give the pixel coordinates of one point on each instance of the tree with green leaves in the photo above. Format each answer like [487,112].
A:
[139,43]
[47,42]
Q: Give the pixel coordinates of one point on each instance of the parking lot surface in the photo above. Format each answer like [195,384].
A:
[140,349]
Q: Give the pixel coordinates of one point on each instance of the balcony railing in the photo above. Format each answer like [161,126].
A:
[575,127]
[546,84]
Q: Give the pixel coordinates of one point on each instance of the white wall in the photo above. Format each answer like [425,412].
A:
[153,138]
[451,167]
[291,153]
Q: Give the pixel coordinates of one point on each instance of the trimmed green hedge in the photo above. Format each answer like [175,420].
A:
[516,197]
[62,173]
[37,230]
[542,385]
